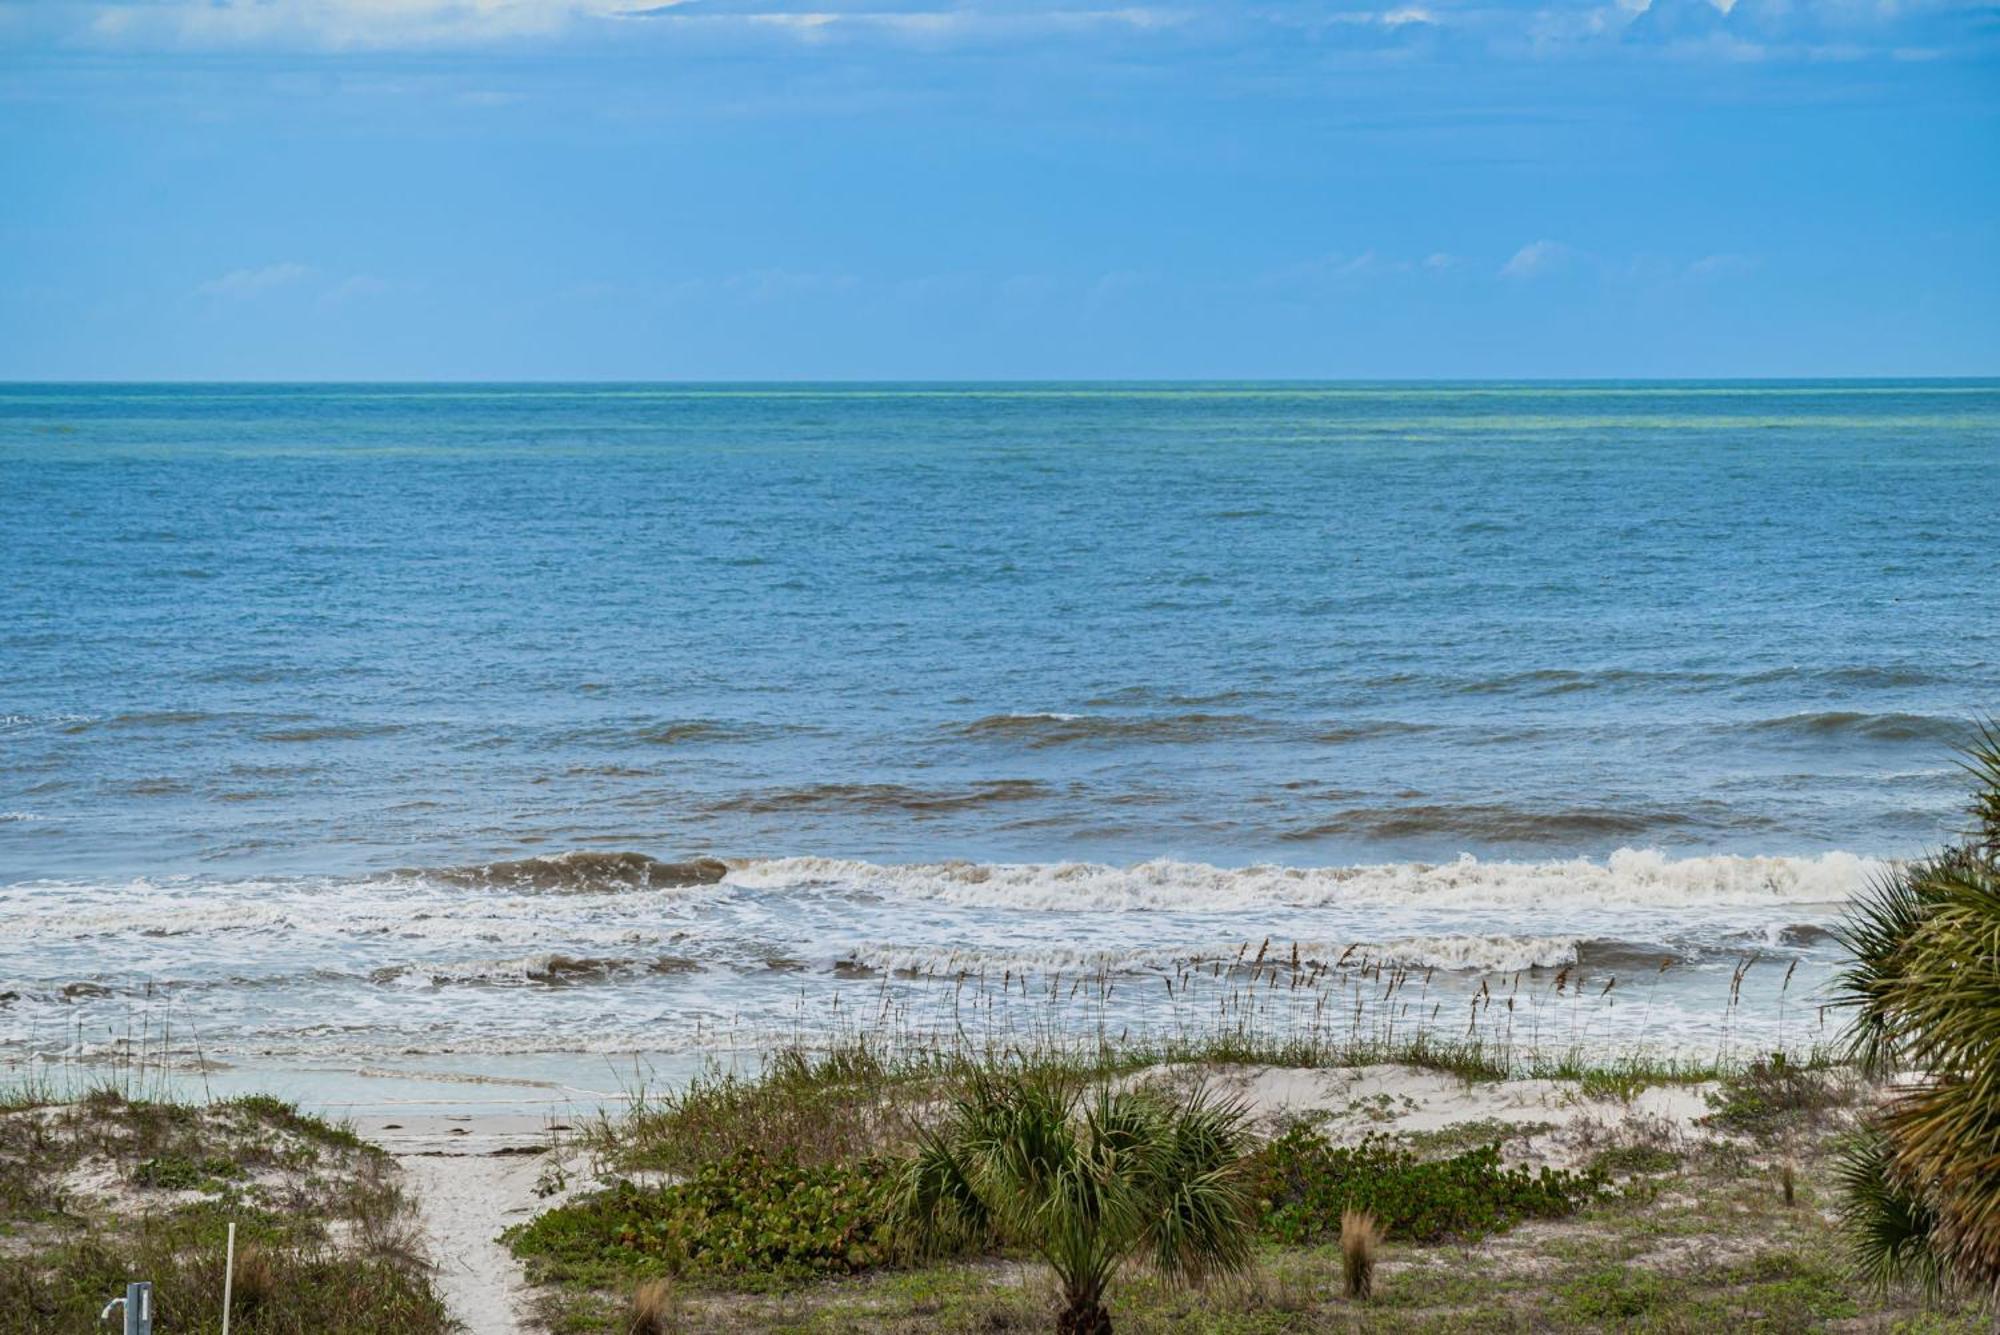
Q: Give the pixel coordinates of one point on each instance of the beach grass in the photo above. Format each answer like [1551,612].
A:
[1734,1229]
[1687,1226]
[1688,1231]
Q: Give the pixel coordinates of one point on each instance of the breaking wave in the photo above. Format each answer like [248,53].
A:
[1498,953]
[577,872]
[549,969]
[1629,877]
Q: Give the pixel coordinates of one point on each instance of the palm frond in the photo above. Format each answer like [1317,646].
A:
[1873,933]
[1087,1183]
[1893,1233]
[1982,761]
[1923,980]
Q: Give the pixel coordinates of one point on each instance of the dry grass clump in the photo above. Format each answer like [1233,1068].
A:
[656,1308]
[1360,1241]
[254,1282]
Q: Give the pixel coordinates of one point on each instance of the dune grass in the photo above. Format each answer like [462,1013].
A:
[104,1189]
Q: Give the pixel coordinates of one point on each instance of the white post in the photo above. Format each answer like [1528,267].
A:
[228,1276]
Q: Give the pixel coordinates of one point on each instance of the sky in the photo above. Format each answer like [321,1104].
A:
[997,189]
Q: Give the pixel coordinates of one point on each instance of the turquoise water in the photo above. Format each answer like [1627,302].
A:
[282,667]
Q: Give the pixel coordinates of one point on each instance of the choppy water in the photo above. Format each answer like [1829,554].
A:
[952,678]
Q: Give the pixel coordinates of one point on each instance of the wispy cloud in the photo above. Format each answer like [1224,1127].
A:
[1537,259]
[242,284]
[1693,30]
[392,24]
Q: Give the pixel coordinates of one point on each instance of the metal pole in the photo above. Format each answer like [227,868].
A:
[228,1275]
[139,1309]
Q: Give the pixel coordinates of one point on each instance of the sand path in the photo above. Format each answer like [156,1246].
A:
[470,1179]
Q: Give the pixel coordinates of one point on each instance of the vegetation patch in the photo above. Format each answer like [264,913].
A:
[1304,1182]
[108,1189]
[1636,1159]
[1772,1096]
[749,1218]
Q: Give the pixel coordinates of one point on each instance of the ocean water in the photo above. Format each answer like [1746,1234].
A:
[391,728]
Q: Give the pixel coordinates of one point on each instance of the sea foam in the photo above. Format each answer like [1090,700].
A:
[1636,877]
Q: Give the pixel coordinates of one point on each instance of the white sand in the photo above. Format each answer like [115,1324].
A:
[1347,1104]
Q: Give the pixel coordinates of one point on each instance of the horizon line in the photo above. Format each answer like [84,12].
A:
[802,381]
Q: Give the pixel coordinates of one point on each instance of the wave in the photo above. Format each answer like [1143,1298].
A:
[331,732]
[672,732]
[1039,730]
[884,797]
[1628,878]
[548,969]
[1129,696]
[1501,822]
[577,872]
[1335,734]
[1894,727]
[1885,674]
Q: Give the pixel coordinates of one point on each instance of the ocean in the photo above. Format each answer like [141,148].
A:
[511,733]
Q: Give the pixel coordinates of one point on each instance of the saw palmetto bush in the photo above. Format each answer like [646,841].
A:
[1923,1184]
[1087,1179]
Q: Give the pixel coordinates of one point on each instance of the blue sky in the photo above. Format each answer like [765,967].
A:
[591,189]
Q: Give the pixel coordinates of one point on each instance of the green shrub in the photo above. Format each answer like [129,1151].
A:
[1645,1159]
[1303,1181]
[741,1216]
[178,1172]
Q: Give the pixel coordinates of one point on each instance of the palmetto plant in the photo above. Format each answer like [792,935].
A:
[1086,1179]
[1923,1186]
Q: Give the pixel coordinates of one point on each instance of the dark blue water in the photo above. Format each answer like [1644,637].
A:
[259,641]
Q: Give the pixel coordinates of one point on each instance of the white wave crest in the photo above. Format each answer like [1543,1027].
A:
[1630,877]
[1498,953]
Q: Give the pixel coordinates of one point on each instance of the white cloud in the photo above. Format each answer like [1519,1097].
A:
[339,24]
[392,24]
[242,284]
[1536,259]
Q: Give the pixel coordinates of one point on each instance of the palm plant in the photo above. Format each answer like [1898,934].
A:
[1086,1181]
[1923,1186]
